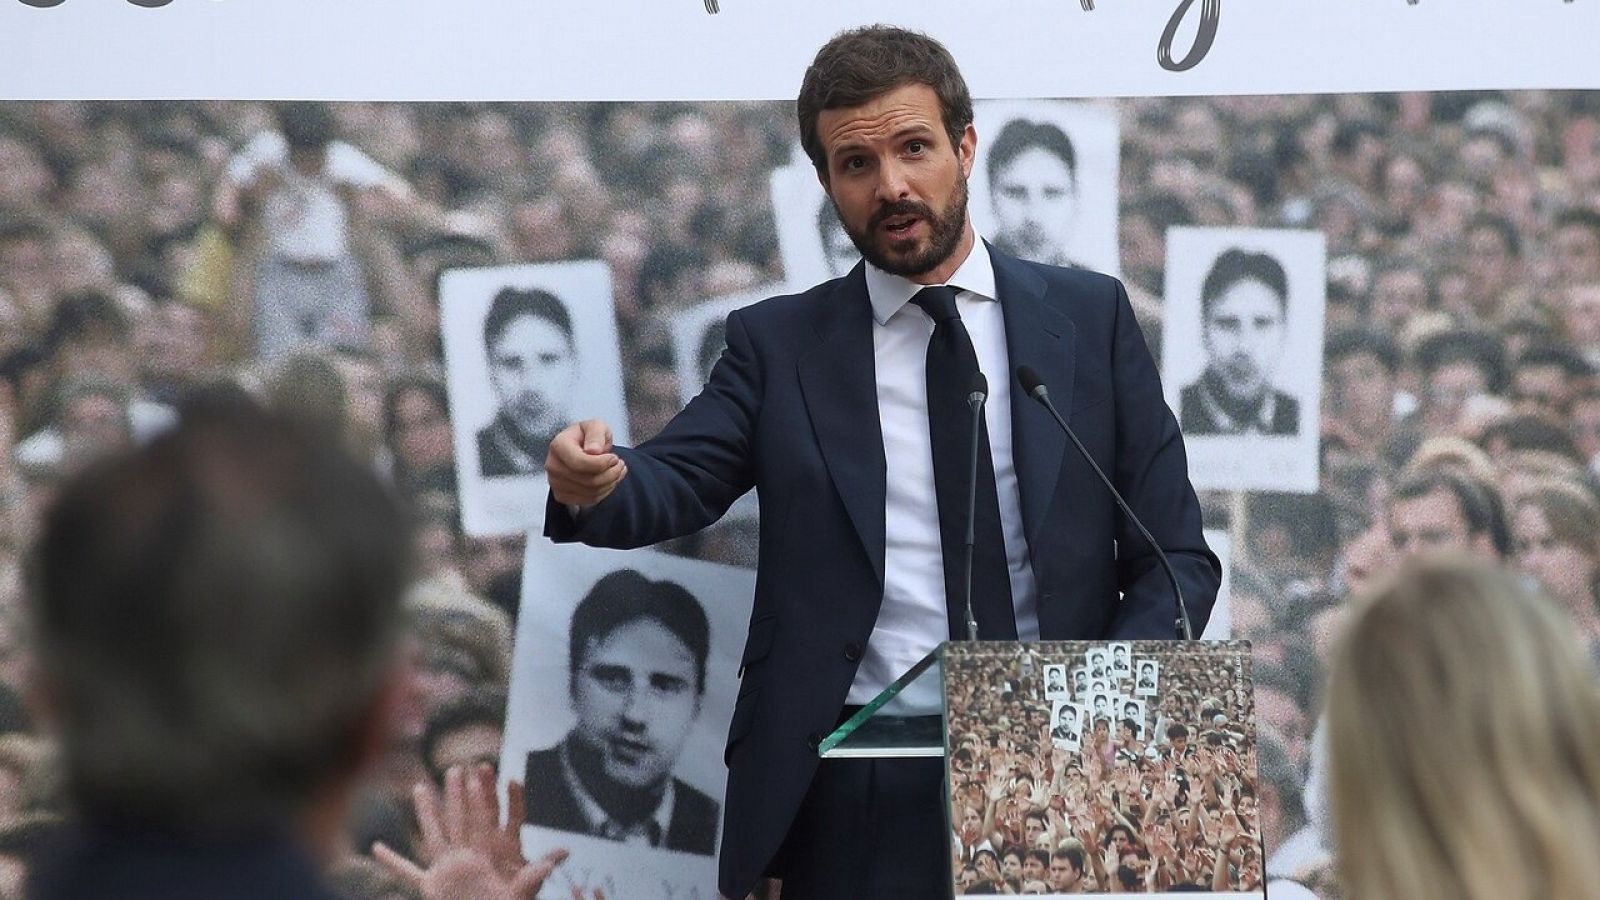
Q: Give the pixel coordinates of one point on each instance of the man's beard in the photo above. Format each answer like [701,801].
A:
[944,234]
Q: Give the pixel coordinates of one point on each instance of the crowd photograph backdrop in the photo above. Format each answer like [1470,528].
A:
[1426,174]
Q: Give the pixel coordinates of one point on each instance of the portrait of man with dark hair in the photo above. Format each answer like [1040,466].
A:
[636,681]
[1244,305]
[533,371]
[1033,188]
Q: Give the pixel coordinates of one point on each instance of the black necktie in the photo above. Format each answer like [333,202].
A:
[951,364]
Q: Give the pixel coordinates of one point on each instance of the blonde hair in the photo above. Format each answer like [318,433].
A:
[1464,740]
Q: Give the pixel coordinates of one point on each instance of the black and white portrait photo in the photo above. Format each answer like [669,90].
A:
[623,680]
[1099,664]
[1080,682]
[1055,682]
[1044,186]
[1122,659]
[1146,677]
[1241,354]
[812,241]
[528,350]
[1066,725]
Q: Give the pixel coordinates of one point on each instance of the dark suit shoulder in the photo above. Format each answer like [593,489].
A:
[549,801]
[789,309]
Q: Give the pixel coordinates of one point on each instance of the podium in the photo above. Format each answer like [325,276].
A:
[1133,760]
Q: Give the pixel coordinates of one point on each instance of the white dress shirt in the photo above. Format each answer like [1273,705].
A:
[913,618]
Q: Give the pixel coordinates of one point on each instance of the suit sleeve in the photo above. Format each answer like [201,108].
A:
[686,477]
[1152,472]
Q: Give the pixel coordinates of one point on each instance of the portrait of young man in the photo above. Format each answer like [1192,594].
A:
[1033,188]
[636,681]
[845,408]
[533,370]
[1244,309]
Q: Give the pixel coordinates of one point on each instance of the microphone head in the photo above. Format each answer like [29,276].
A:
[1032,384]
[979,385]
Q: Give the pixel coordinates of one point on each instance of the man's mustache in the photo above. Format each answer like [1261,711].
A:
[900,208]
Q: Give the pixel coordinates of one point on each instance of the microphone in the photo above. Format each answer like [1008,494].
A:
[1033,386]
[977,393]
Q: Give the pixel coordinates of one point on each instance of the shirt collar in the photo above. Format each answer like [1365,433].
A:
[597,817]
[889,293]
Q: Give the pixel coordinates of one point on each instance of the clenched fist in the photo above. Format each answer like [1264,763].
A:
[582,469]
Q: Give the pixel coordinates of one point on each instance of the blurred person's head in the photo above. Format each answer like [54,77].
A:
[886,118]
[195,600]
[465,731]
[1533,430]
[637,669]
[307,128]
[463,643]
[1434,798]
[1583,417]
[173,348]
[1545,376]
[1456,366]
[1244,321]
[1434,510]
[1556,529]
[533,361]
[1580,315]
[489,558]
[1362,364]
[1366,557]
[417,424]
[1033,186]
[89,336]
[1577,245]
[1494,251]
[1399,291]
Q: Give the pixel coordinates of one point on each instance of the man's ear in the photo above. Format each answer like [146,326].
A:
[967,149]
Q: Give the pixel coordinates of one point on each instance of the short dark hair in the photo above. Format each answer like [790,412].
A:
[1480,505]
[81,314]
[1348,342]
[1550,353]
[859,65]
[1235,265]
[195,601]
[1019,135]
[1177,730]
[1503,229]
[1480,349]
[1073,855]
[484,706]
[306,125]
[626,596]
[1042,856]
[513,303]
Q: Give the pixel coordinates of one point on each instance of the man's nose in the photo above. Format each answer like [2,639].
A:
[893,184]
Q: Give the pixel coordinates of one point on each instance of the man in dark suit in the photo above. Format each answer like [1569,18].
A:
[636,676]
[1244,303]
[837,406]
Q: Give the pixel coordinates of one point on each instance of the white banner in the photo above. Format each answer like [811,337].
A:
[757,49]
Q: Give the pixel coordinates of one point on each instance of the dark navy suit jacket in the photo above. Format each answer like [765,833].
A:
[791,410]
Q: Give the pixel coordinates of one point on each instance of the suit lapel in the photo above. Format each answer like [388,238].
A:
[839,383]
[1037,335]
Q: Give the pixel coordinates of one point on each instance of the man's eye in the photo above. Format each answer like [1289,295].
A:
[668,684]
[916,146]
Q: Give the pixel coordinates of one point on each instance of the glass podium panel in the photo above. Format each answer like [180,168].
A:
[905,720]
